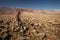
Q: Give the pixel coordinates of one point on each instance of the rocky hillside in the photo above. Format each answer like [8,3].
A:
[27,24]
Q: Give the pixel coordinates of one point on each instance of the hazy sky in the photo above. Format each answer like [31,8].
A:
[33,4]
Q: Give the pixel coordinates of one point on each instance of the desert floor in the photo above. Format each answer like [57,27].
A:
[33,27]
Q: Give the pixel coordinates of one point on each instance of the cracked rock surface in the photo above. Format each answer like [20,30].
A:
[33,27]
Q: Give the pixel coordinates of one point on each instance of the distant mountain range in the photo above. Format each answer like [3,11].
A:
[7,10]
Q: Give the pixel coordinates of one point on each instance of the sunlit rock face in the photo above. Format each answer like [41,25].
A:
[36,24]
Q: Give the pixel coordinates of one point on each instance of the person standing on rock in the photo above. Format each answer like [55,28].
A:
[19,19]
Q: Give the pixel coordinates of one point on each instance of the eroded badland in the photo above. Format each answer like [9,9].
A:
[27,24]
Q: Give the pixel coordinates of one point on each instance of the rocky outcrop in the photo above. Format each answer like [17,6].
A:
[24,26]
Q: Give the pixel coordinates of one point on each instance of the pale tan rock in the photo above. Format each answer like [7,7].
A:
[36,25]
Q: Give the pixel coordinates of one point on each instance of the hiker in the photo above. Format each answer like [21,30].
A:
[18,19]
